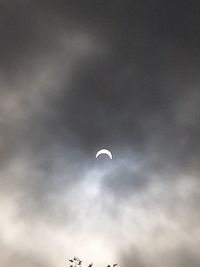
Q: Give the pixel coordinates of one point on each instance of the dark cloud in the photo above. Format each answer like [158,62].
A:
[76,76]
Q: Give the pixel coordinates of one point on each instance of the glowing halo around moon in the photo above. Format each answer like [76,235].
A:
[105,152]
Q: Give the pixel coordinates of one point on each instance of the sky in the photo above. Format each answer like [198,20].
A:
[78,76]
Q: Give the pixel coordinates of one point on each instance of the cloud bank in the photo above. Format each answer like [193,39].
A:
[76,76]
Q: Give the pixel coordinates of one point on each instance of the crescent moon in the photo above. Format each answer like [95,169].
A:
[104,151]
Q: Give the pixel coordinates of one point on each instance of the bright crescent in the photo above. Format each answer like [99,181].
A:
[104,151]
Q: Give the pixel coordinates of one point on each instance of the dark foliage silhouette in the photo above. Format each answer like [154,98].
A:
[76,262]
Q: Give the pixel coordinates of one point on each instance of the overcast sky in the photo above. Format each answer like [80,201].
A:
[78,76]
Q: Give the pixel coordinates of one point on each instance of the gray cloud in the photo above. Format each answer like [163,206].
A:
[79,76]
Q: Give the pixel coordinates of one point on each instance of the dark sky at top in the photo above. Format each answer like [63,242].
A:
[78,76]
